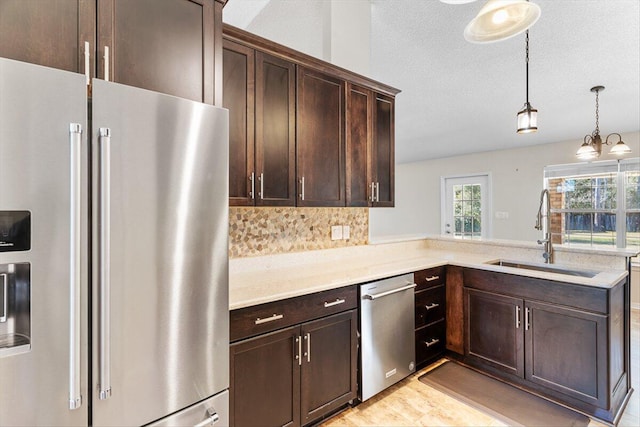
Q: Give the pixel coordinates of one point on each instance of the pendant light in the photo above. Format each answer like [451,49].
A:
[501,19]
[591,147]
[528,116]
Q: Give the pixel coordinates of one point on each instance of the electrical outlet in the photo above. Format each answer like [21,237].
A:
[336,232]
[502,215]
[346,232]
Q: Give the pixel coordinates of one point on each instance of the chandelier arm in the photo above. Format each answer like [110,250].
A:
[606,142]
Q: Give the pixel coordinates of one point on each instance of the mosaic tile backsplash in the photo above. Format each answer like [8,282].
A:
[265,231]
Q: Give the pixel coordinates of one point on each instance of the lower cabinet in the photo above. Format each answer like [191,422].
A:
[430,309]
[561,340]
[296,375]
[493,331]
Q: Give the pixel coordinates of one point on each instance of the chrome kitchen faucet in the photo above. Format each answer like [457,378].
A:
[548,246]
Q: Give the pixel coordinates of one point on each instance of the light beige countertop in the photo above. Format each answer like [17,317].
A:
[258,280]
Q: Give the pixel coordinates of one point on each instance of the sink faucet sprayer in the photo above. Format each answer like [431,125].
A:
[548,246]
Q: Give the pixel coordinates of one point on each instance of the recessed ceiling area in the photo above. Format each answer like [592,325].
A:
[460,98]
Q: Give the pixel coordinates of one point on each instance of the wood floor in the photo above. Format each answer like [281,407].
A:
[412,403]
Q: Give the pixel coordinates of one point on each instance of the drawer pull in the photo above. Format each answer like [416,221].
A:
[433,341]
[338,301]
[260,321]
[431,306]
[432,278]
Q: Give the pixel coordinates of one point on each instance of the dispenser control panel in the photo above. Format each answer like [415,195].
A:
[15,231]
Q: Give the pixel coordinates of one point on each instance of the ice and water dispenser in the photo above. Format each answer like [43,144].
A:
[15,283]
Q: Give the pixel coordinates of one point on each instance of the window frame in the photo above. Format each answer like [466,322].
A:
[619,168]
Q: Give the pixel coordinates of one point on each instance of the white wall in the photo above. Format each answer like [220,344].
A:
[337,31]
[517,180]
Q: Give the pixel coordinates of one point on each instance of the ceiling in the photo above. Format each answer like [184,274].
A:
[460,98]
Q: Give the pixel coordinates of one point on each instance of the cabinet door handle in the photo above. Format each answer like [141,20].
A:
[260,321]
[261,193]
[527,318]
[336,302]
[252,178]
[432,306]
[87,62]
[302,188]
[433,341]
[307,338]
[106,63]
[377,191]
[517,317]
[432,278]
[299,355]
[373,191]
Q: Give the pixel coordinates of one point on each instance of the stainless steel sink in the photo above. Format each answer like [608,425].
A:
[547,268]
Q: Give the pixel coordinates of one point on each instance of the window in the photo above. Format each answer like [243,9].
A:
[595,204]
[465,206]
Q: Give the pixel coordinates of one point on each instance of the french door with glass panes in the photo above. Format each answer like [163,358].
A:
[465,206]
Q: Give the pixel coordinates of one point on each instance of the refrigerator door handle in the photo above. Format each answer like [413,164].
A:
[104,340]
[75,262]
[5,296]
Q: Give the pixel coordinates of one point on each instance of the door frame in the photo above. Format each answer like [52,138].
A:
[487,217]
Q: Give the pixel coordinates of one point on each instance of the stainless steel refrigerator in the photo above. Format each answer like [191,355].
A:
[113,254]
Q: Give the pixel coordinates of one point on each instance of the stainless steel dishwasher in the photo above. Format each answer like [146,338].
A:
[387,333]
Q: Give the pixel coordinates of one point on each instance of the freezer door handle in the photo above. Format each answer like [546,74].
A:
[212,419]
[104,332]
[5,296]
[75,262]
[392,291]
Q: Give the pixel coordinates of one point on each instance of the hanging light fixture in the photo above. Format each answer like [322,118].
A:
[528,116]
[501,19]
[591,147]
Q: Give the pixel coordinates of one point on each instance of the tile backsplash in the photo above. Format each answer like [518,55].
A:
[264,231]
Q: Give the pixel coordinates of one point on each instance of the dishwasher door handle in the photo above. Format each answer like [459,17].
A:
[391,292]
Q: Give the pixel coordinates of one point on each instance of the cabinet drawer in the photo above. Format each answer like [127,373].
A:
[251,321]
[429,278]
[430,305]
[430,342]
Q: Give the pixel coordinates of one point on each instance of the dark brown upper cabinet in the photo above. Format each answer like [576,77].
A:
[238,98]
[369,148]
[359,145]
[168,46]
[259,91]
[320,139]
[339,128]
[275,131]
[383,173]
[161,45]
[51,34]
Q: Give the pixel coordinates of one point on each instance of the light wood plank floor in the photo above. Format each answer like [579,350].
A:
[412,403]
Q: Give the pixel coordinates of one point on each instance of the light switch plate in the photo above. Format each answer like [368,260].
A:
[346,232]
[336,232]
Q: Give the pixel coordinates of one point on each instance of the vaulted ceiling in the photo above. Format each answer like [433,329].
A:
[460,98]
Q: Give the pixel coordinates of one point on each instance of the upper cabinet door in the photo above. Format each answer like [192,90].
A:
[161,45]
[52,34]
[383,151]
[359,139]
[238,98]
[320,139]
[275,131]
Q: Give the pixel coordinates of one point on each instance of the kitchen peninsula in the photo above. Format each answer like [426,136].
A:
[601,300]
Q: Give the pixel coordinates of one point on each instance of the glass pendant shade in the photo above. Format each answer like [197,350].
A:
[586,152]
[527,119]
[620,149]
[500,20]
